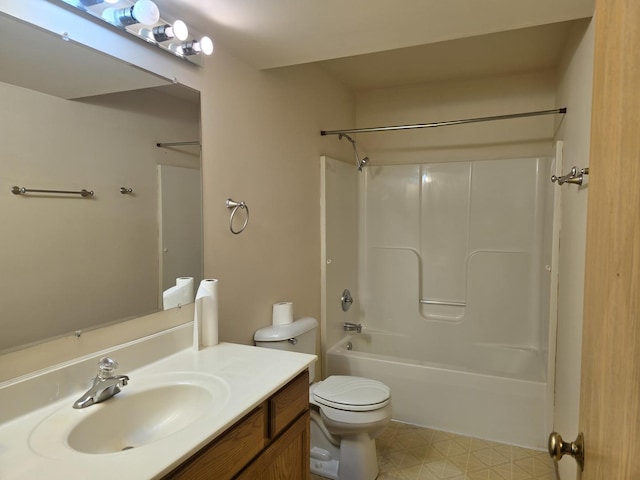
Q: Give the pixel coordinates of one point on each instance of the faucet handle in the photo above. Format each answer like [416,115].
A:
[107,366]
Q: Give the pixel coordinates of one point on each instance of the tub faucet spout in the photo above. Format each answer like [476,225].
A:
[352,327]
[105,385]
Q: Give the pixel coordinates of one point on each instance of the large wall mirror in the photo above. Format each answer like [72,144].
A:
[75,119]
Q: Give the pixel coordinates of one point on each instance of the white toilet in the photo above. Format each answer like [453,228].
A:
[347,413]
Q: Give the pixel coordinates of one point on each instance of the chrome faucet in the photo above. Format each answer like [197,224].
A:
[352,327]
[104,386]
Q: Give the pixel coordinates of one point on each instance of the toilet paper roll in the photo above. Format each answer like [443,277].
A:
[205,317]
[282,313]
[180,294]
[181,281]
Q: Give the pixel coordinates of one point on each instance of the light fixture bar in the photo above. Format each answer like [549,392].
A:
[90,3]
[142,19]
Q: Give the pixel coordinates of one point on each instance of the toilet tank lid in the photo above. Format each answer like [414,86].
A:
[278,333]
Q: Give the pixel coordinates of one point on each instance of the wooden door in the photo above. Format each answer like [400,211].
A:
[610,385]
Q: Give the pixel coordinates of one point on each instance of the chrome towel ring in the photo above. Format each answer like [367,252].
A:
[231,204]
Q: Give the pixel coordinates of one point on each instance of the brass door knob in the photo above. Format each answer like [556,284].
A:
[558,448]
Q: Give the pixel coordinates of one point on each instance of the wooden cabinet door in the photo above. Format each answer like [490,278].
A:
[226,456]
[287,458]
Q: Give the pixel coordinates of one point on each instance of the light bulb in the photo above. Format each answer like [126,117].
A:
[206,44]
[178,30]
[143,11]
[146,12]
[193,47]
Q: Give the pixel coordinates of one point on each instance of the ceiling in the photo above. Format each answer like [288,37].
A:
[382,43]
[511,52]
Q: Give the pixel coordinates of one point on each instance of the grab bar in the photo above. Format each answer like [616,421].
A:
[424,301]
[22,191]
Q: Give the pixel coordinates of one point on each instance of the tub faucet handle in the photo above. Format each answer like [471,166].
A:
[346,300]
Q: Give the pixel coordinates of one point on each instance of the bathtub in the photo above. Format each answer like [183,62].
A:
[485,391]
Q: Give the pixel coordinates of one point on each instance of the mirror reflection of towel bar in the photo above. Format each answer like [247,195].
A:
[195,143]
[23,191]
[424,301]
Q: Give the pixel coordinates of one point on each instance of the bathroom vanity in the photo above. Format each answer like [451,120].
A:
[229,411]
[269,443]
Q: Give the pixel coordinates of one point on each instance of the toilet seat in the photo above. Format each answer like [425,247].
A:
[355,394]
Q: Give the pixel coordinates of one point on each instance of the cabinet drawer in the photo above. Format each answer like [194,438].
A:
[288,403]
[227,455]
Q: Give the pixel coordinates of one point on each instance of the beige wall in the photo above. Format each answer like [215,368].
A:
[56,247]
[453,100]
[262,145]
[574,91]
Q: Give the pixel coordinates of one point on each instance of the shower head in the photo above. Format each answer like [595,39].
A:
[359,163]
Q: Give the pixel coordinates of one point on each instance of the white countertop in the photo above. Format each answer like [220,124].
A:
[251,374]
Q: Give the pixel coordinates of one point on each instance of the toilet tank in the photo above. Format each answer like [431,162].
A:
[297,336]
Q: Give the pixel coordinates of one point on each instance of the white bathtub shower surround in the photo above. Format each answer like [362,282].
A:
[453,261]
[500,398]
[466,238]
[455,250]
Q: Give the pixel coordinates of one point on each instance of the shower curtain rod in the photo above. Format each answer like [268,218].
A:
[444,124]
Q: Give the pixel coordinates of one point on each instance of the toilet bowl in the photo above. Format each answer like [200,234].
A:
[353,412]
[347,412]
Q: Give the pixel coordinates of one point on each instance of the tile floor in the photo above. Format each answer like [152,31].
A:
[407,452]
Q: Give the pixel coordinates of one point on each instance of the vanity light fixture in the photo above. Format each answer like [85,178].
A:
[142,19]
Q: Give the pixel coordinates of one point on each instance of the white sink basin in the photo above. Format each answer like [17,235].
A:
[146,411]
